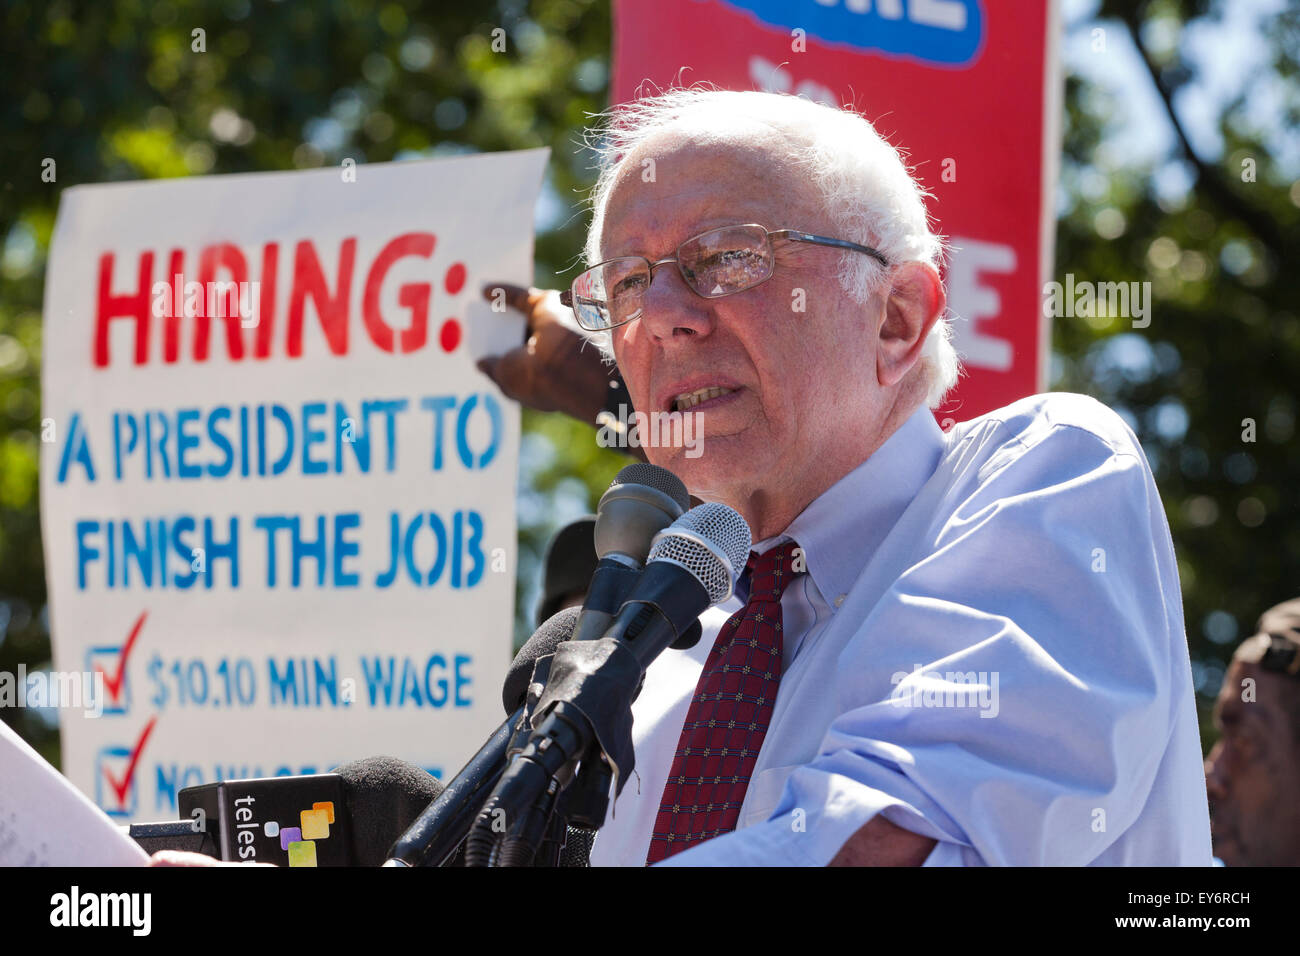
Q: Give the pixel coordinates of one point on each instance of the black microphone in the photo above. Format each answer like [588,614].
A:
[347,817]
[588,808]
[691,565]
[641,501]
[579,838]
[436,834]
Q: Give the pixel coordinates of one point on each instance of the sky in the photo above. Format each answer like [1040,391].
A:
[1226,58]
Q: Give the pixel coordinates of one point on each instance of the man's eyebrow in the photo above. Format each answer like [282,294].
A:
[697,226]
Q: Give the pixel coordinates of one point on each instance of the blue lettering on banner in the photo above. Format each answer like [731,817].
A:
[344,548]
[943,32]
[270,439]
[402,550]
[393,682]
[286,423]
[117,546]
[322,551]
[77,449]
[184,442]
[438,405]
[303,683]
[220,441]
[171,779]
[484,458]
[312,436]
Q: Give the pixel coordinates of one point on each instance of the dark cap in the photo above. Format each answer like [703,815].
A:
[1276,643]
[570,563]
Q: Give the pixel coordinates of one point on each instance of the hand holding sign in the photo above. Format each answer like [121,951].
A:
[557,368]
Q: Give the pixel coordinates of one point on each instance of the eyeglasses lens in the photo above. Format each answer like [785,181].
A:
[720,262]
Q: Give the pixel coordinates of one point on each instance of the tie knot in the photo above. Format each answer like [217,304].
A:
[770,572]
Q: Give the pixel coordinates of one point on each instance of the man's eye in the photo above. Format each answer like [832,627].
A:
[630,285]
[733,265]
[728,257]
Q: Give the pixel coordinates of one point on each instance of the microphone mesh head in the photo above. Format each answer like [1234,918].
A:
[660,479]
[712,542]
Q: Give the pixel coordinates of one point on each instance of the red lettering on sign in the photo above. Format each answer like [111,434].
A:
[128,306]
[413,295]
[229,288]
[309,280]
[227,257]
[266,304]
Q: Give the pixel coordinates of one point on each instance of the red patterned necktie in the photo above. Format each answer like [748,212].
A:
[728,716]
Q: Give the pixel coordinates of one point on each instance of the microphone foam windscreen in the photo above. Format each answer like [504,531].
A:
[555,630]
[385,795]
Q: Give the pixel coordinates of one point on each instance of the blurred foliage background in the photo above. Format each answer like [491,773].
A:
[112,90]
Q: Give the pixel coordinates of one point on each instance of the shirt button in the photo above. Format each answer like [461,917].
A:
[840,600]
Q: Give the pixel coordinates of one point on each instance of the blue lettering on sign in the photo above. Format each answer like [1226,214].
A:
[410,682]
[171,779]
[948,32]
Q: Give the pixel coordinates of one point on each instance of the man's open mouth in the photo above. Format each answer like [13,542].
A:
[688,400]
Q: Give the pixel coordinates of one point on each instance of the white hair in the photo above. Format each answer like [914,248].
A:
[866,189]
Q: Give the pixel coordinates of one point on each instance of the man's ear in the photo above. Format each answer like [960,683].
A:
[914,303]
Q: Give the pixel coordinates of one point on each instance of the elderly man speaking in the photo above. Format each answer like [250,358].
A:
[961,648]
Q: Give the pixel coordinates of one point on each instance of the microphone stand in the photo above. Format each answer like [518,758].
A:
[437,835]
[583,803]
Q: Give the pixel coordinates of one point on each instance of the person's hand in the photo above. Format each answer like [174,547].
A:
[555,368]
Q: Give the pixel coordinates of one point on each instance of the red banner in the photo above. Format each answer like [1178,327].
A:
[968,89]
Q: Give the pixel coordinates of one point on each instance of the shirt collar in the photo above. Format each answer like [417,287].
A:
[842,528]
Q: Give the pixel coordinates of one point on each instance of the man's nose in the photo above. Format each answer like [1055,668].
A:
[670,310]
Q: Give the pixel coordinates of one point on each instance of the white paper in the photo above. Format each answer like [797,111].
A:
[46,821]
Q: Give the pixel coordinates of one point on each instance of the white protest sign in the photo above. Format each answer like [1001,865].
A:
[278,499]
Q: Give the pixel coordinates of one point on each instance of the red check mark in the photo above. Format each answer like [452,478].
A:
[114,682]
[120,789]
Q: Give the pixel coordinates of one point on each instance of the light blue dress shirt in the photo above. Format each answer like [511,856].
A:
[987,649]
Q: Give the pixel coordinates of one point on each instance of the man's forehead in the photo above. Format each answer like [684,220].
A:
[668,191]
[654,232]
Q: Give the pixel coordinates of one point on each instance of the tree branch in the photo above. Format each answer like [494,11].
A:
[1210,178]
